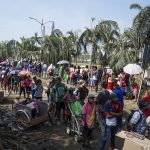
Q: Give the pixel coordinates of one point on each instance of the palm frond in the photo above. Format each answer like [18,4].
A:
[136,6]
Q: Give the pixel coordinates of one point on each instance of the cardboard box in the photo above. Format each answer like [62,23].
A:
[133,142]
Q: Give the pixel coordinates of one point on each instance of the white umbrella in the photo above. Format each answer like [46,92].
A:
[63,62]
[132,69]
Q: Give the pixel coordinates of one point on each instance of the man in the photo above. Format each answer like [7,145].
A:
[120,93]
[112,111]
[85,73]
[44,71]
[59,91]
[82,92]
[101,99]
[137,122]
[94,78]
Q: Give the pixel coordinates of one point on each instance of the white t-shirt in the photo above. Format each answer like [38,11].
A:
[95,76]
[111,121]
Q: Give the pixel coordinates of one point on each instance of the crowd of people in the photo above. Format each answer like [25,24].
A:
[104,106]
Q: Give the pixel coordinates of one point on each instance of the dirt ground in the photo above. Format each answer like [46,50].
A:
[57,133]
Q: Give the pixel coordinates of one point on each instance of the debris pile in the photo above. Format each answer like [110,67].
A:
[25,141]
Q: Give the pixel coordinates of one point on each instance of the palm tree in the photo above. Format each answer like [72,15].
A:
[122,54]
[75,50]
[133,41]
[108,30]
[53,46]
[3,50]
[36,39]
[89,38]
[141,23]
[101,39]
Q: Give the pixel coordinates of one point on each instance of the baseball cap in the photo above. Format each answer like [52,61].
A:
[91,96]
[113,97]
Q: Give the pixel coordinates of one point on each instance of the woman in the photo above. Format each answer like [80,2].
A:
[38,90]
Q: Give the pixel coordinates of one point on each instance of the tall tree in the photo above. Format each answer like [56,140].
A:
[141,23]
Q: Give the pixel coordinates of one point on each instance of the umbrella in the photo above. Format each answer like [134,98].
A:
[3,63]
[24,72]
[15,71]
[63,62]
[132,69]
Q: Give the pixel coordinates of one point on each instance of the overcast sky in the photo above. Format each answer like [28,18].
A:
[67,15]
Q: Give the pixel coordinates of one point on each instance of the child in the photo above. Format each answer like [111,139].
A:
[38,90]
[70,97]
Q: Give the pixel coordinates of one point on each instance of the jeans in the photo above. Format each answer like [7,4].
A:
[33,92]
[109,132]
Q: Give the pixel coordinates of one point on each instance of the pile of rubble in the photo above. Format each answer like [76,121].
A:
[25,141]
[16,140]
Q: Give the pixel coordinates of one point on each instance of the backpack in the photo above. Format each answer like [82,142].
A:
[129,118]
[60,91]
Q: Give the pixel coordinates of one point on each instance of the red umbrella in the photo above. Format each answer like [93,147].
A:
[24,72]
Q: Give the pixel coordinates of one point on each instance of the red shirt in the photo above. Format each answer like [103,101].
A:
[146,99]
[136,87]
[110,85]
[28,82]
[147,112]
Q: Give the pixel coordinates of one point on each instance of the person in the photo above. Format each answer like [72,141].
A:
[68,99]
[33,105]
[135,90]
[28,82]
[101,99]
[22,87]
[110,84]
[61,71]
[120,93]
[49,89]
[59,91]
[94,78]
[85,73]
[44,68]
[99,74]
[146,98]
[112,111]
[106,75]
[7,82]
[137,123]
[33,86]
[72,76]
[50,97]
[88,112]
[15,83]
[82,92]
[38,90]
